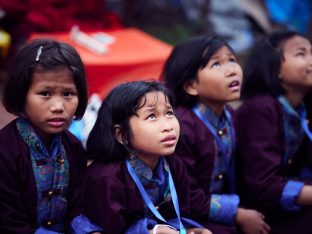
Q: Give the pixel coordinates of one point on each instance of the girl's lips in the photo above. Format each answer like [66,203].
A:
[234,86]
[234,83]
[57,122]
[169,140]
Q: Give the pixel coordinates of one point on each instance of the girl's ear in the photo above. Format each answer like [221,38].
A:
[191,87]
[118,135]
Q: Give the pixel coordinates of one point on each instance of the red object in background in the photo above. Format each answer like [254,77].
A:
[134,55]
[23,17]
[58,15]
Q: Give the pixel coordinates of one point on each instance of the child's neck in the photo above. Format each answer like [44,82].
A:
[217,108]
[295,98]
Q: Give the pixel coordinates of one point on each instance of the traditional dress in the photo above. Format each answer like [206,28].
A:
[207,146]
[38,188]
[114,202]
[273,163]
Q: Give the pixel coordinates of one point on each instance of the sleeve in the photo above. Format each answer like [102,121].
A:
[141,226]
[82,225]
[78,165]
[260,153]
[42,230]
[197,151]
[104,200]
[290,193]
[13,216]
[223,208]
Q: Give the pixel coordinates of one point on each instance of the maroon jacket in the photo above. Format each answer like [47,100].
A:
[18,192]
[262,175]
[197,148]
[113,202]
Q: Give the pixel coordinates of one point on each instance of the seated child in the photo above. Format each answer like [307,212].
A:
[42,164]
[204,75]
[274,141]
[132,185]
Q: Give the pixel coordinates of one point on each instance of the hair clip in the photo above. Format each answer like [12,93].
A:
[39,53]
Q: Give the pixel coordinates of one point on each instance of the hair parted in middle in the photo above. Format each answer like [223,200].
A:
[117,109]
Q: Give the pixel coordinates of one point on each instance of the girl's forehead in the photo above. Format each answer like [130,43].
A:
[296,42]
[58,77]
[223,50]
[154,97]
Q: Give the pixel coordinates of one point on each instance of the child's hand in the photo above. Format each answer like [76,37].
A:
[252,222]
[163,230]
[198,231]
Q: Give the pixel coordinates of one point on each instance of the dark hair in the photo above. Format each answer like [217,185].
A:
[28,60]
[262,67]
[184,62]
[117,108]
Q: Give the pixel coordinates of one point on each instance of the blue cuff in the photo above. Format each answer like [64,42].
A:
[289,195]
[42,230]
[223,208]
[141,226]
[82,225]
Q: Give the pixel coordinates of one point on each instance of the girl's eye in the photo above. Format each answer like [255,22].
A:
[232,60]
[45,93]
[300,54]
[215,65]
[170,113]
[151,116]
[68,94]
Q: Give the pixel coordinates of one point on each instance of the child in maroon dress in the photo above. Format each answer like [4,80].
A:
[274,141]
[204,75]
[41,162]
[132,186]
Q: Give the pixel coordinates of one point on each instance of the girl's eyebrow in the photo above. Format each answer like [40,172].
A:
[218,56]
[303,48]
[168,105]
[149,108]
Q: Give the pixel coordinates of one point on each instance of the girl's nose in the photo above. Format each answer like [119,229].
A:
[231,70]
[57,106]
[167,126]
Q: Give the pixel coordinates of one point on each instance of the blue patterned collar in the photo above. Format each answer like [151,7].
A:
[212,117]
[299,112]
[34,141]
[293,130]
[145,173]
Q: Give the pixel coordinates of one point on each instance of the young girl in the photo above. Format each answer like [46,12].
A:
[132,187]
[204,75]
[274,140]
[42,163]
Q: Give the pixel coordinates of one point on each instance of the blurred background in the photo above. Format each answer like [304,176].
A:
[241,22]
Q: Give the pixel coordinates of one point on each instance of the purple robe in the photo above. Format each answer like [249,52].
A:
[18,192]
[262,175]
[197,148]
[113,202]
[198,151]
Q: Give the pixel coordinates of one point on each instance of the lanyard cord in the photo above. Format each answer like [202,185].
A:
[213,131]
[301,117]
[148,201]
